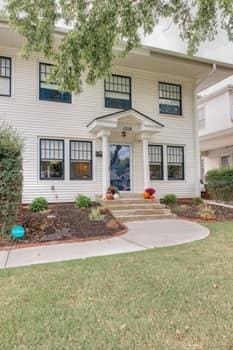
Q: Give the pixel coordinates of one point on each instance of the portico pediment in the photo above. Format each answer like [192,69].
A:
[139,122]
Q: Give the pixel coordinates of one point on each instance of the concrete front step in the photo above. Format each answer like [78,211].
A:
[128,218]
[124,195]
[131,211]
[113,206]
[127,201]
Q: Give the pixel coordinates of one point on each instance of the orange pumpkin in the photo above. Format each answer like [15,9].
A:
[146,195]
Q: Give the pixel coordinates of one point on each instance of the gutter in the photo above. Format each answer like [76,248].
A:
[196,129]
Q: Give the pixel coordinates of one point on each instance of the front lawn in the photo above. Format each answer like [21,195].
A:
[169,298]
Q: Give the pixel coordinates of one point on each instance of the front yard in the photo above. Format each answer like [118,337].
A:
[170,298]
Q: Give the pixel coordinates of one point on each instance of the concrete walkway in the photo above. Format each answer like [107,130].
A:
[142,235]
[219,204]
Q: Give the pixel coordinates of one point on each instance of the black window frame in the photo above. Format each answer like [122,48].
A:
[168,98]
[223,158]
[63,160]
[171,163]
[84,141]
[6,77]
[69,101]
[160,163]
[120,92]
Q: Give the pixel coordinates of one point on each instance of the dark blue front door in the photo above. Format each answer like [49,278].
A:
[120,167]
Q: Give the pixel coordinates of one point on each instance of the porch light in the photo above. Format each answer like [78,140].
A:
[123,134]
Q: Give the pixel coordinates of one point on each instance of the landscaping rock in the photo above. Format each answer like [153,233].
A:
[113,224]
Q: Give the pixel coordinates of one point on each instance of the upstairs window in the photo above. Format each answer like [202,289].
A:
[175,162]
[80,160]
[117,92]
[51,159]
[5,76]
[156,162]
[170,99]
[50,91]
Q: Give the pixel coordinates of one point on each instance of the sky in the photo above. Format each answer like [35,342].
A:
[166,36]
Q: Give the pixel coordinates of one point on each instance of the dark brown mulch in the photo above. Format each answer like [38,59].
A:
[192,211]
[66,222]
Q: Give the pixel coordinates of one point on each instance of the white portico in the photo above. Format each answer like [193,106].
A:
[119,131]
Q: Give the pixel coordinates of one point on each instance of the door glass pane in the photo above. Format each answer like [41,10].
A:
[120,167]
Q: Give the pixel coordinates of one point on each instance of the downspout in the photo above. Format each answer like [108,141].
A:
[196,130]
[231,105]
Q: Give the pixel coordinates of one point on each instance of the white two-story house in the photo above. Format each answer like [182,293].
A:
[137,128]
[215,111]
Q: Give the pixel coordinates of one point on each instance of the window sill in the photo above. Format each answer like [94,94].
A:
[163,115]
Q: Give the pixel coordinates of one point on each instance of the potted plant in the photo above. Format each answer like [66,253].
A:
[149,193]
[112,193]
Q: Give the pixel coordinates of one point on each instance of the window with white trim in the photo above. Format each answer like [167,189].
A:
[117,92]
[170,98]
[50,91]
[5,76]
[156,162]
[175,162]
[51,159]
[225,161]
[80,160]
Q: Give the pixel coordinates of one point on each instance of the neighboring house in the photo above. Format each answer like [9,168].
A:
[144,113]
[216,129]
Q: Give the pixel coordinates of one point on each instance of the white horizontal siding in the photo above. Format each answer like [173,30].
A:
[34,118]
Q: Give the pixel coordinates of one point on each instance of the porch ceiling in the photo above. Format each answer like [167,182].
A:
[139,122]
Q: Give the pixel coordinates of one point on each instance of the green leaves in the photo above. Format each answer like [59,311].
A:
[10,178]
[220,183]
[96,26]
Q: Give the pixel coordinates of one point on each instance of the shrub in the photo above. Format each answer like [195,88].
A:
[10,178]
[220,183]
[170,199]
[95,215]
[82,201]
[197,201]
[39,204]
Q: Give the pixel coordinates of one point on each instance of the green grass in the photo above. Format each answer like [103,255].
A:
[169,298]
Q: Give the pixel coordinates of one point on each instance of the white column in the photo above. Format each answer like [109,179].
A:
[196,146]
[146,169]
[106,161]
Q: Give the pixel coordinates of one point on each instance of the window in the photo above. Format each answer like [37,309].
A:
[80,160]
[170,99]
[118,92]
[50,91]
[201,115]
[225,161]
[175,160]
[51,159]
[5,76]
[156,162]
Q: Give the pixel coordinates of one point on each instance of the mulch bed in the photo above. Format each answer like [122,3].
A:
[66,222]
[192,211]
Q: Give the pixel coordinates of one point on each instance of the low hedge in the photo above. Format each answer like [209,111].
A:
[220,184]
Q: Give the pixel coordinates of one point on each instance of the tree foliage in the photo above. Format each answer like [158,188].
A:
[220,183]
[10,178]
[97,25]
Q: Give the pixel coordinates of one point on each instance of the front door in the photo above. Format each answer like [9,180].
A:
[120,167]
